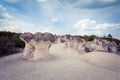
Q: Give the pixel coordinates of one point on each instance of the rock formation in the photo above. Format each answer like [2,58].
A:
[37,45]
[29,48]
[42,43]
[101,45]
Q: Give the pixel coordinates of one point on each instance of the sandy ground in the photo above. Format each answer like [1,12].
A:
[65,65]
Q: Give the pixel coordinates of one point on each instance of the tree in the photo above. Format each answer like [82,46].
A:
[109,36]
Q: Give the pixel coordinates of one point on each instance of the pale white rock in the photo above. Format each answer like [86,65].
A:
[37,46]
[29,48]
[101,45]
[41,50]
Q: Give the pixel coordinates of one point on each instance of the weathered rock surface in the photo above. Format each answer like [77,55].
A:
[101,45]
[37,45]
[29,48]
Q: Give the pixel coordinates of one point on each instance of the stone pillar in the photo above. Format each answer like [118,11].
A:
[42,43]
[29,48]
[41,50]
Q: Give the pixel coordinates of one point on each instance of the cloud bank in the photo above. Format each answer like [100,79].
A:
[91,27]
[91,4]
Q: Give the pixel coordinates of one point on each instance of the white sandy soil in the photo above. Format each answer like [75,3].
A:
[65,65]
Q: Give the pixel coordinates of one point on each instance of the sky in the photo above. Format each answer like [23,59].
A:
[81,17]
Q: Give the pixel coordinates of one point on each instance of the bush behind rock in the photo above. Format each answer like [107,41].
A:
[10,43]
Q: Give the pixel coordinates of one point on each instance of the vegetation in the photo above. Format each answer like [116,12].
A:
[89,38]
[108,38]
[10,43]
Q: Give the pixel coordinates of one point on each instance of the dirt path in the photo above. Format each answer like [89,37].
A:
[65,65]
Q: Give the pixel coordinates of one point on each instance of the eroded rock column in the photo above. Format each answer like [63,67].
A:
[29,48]
[42,43]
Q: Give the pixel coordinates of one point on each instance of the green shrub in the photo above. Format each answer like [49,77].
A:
[89,38]
[10,43]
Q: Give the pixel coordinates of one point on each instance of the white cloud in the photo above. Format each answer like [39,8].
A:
[7,16]
[54,19]
[107,26]
[13,1]
[4,13]
[85,24]
[90,27]
[11,23]
[41,0]
[108,0]
[21,26]
[90,3]
[2,8]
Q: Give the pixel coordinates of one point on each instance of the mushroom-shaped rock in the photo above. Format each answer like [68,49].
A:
[29,48]
[42,43]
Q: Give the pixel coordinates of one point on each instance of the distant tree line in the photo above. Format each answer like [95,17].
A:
[89,38]
[109,37]
[10,43]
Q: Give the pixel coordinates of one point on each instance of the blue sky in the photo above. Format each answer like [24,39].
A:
[91,17]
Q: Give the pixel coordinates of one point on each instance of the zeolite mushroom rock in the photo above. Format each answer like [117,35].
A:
[37,45]
[29,48]
[42,43]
